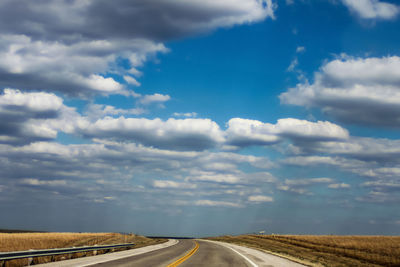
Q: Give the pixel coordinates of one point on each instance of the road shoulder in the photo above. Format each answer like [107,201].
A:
[258,257]
[88,261]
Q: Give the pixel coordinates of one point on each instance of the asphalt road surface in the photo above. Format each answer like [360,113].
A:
[185,253]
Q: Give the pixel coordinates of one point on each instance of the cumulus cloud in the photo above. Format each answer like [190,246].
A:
[172,184]
[107,168]
[391,185]
[338,186]
[308,181]
[363,148]
[28,117]
[226,178]
[301,186]
[260,198]
[372,9]
[72,68]
[97,111]
[344,163]
[184,134]
[155,98]
[91,172]
[310,160]
[213,203]
[37,182]
[36,116]
[355,90]
[44,48]
[243,132]
[306,130]
[385,173]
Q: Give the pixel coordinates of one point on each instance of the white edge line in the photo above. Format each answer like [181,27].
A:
[252,263]
[227,246]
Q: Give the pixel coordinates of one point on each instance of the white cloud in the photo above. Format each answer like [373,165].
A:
[382,184]
[99,83]
[260,198]
[69,68]
[131,80]
[36,102]
[300,191]
[97,111]
[379,197]
[363,148]
[338,186]
[213,203]
[382,173]
[357,90]
[215,177]
[186,115]
[302,129]
[52,51]
[242,132]
[155,98]
[27,117]
[196,134]
[32,181]
[372,9]
[172,184]
[307,181]
[293,64]
[302,186]
[310,160]
[300,49]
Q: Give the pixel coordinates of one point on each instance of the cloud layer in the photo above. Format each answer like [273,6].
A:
[72,46]
[355,90]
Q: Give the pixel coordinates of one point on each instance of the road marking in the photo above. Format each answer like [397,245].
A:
[252,263]
[187,256]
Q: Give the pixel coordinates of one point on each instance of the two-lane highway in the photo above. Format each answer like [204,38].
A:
[186,253]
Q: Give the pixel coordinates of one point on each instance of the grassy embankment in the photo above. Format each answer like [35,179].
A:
[26,241]
[332,251]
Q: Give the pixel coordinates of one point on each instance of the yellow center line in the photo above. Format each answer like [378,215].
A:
[187,256]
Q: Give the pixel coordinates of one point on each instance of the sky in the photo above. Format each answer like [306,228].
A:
[200,117]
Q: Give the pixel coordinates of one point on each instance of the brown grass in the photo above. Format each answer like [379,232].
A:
[26,241]
[332,251]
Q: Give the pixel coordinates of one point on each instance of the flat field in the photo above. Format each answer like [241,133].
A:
[26,241]
[328,250]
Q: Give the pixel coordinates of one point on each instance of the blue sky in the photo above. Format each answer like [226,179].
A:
[200,117]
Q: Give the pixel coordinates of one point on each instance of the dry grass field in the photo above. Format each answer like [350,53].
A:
[332,251]
[26,241]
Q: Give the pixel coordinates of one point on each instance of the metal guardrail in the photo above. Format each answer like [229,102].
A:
[5,256]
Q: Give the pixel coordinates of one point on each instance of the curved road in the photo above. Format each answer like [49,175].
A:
[207,254]
[186,252]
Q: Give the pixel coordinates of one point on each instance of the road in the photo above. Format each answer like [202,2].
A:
[186,252]
[207,254]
